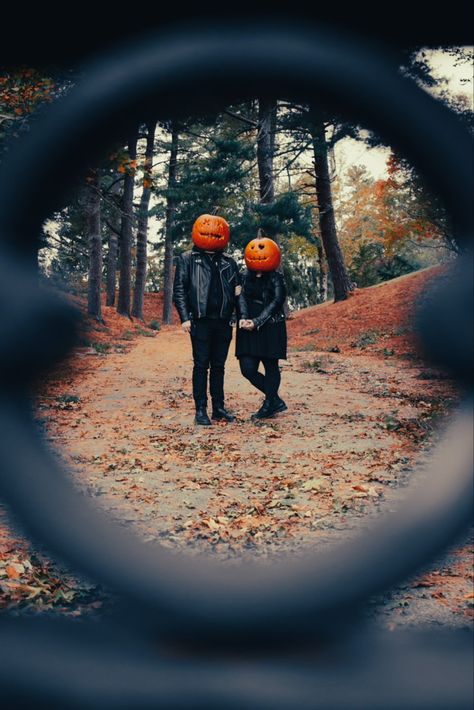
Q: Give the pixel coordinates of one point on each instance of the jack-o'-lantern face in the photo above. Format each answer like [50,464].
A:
[262,254]
[211,232]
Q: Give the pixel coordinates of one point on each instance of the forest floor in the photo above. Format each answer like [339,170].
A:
[363,406]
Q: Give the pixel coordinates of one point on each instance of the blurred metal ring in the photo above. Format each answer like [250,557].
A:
[172,75]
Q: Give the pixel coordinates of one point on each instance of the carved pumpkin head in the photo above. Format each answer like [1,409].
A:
[211,232]
[262,254]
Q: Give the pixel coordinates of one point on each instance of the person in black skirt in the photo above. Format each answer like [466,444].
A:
[261,336]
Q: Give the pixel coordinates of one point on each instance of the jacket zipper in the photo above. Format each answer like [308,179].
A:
[198,289]
[222,284]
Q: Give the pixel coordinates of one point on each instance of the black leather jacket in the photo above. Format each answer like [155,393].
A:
[191,284]
[273,295]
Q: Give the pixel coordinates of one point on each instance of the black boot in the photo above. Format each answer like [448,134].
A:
[278,405]
[265,411]
[201,416]
[220,412]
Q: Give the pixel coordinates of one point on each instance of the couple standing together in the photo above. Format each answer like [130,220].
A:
[208,290]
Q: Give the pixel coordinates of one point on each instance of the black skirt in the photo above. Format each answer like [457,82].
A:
[269,341]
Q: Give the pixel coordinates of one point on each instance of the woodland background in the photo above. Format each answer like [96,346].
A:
[357,226]
[290,170]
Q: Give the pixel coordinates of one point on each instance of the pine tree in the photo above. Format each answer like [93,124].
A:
[126,231]
[113,230]
[142,224]
[341,281]
[94,236]
[169,218]
[267,114]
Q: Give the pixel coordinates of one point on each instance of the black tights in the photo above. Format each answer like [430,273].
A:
[268,383]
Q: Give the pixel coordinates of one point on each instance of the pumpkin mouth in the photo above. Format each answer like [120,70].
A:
[259,258]
[211,236]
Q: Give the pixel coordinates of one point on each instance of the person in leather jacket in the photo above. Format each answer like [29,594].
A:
[273,295]
[261,336]
[206,285]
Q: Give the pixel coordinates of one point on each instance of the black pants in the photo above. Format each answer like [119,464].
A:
[210,339]
[268,383]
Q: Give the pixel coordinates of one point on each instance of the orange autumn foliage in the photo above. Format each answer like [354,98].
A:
[22,91]
[385,211]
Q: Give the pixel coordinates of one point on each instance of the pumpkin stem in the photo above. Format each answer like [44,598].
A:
[215,210]
[260,233]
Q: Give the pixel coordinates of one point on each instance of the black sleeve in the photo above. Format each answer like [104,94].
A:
[238,275]
[276,304]
[180,288]
[242,305]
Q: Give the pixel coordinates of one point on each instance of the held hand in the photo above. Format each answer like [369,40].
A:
[242,323]
[186,326]
[250,325]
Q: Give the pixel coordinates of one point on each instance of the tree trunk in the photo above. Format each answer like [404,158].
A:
[327,224]
[142,230]
[126,231]
[94,237]
[266,149]
[112,255]
[322,277]
[170,208]
[267,120]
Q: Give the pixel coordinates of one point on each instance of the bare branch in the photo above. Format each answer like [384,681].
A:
[244,119]
[113,228]
[73,247]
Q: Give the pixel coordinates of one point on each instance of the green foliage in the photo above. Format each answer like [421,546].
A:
[68,399]
[219,175]
[319,365]
[370,337]
[285,217]
[146,333]
[65,235]
[391,423]
[102,348]
[382,225]
[371,265]
[213,175]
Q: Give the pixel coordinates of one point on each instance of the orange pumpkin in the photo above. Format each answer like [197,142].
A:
[211,232]
[262,254]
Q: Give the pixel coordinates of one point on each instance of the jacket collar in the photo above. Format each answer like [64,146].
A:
[223,257]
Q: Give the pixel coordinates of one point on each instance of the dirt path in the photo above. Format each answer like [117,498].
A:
[354,426]
[134,439]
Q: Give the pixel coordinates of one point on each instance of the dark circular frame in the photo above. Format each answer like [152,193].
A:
[171,75]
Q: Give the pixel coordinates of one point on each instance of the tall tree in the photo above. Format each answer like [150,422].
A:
[170,210]
[65,245]
[126,235]
[142,224]
[113,228]
[341,281]
[215,175]
[266,132]
[266,148]
[93,233]
[322,275]
[306,127]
